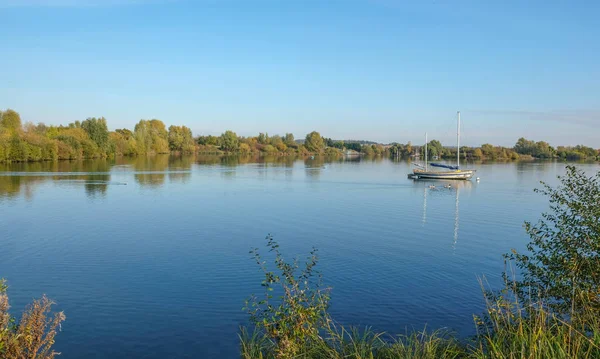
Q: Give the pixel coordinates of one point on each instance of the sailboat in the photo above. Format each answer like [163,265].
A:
[451,172]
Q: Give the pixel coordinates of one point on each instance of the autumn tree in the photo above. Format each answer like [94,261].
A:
[263,138]
[180,139]
[289,139]
[10,120]
[151,137]
[314,142]
[276,140]
[244,148]
[229,141]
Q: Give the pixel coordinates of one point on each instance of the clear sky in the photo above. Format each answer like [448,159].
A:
[382,70]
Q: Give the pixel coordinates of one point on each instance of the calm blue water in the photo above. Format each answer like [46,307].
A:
[149,257]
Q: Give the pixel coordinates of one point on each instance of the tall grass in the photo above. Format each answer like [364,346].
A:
[355,343]
[529,329]
[513,326]
[507,330]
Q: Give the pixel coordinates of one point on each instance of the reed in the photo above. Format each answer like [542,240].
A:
[513,325]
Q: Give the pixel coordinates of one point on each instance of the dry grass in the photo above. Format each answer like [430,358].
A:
[33,336]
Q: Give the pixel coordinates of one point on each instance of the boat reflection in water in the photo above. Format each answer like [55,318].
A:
[439,189]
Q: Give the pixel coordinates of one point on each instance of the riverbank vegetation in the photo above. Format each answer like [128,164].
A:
[91,138]
[32,337]
[522,150]
[549,309]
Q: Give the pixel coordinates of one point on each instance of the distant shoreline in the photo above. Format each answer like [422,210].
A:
[91,139]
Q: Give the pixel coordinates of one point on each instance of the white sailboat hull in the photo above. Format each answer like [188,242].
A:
[453,174]
[448,175]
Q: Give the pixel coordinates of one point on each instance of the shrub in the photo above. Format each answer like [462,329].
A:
[563,266]
[294,321]
[33,336]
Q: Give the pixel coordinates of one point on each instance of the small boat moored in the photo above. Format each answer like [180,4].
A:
[451,173]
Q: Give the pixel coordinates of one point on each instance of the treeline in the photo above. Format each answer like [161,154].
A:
[542,149]
[313,143]
[435,150]
[92,139]
[230,142]
[87,139]
[523,149]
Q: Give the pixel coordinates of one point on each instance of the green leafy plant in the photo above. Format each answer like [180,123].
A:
[563,263]
[292,320]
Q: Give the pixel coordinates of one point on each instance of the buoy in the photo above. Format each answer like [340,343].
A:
[477,179]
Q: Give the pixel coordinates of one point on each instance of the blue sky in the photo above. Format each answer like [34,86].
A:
[367,69]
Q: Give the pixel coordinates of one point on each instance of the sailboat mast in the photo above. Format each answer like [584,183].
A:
[425,151]
[458,141]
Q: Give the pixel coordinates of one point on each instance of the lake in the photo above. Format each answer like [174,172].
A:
[148,257]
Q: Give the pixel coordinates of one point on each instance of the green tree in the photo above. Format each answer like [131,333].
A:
[76,124]
[143,136]
[160,141]
[338,144]
[18,151]
[355,146]
[209,140]
[564,256]
[97,130]
[367,150]
[124,142]
[435,148]
[263,138]
[127,134]
[181,139]
[10,120]
[543,150]
[408,149]
[230,141]
[525,147]
[289,139]
[314,142]
[276,140]
[488,151]
[151,137]
[4,145]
